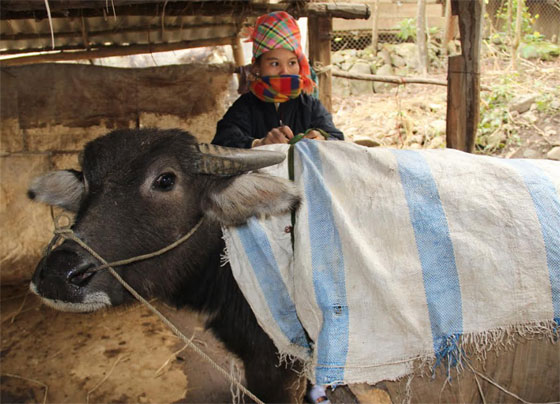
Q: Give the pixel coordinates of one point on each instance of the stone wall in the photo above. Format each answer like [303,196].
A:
[48,112]
[390,60]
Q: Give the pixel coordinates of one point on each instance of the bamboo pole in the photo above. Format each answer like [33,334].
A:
[392,79]
[388,79]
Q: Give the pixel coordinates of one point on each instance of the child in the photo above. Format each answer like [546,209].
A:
[279,104]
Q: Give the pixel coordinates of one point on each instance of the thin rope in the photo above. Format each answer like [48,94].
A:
[69,234]
[143,257]
[479,389]
[30,380]
[477,373]
[321,68]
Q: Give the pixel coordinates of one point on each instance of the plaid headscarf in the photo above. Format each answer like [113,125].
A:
[280,30]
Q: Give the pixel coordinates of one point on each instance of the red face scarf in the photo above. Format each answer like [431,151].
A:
[276,88]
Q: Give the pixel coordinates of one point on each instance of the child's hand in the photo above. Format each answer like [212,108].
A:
[314,134]
[281,134]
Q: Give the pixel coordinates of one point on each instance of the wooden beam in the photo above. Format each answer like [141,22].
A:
[114,51]
[319,33]
[104,33]
[348,11]
[16,9]
[463,91]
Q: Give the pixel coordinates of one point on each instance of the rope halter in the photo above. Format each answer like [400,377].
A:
[65,232]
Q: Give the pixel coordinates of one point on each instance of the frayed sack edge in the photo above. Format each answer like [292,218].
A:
[455,352]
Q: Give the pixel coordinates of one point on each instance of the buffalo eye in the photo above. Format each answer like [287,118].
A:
[165,182]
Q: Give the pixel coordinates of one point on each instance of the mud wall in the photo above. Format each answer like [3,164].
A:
[49,111]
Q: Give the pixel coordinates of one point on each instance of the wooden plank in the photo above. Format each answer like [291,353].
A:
[187,31]
[114,51]
[527,368]
[319,33]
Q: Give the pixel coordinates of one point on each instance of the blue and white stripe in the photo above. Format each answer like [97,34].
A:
[328,269]
[398,254]
[547,206]
[261,258]
[435,249]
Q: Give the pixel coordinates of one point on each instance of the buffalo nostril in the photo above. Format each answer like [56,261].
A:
[80,275]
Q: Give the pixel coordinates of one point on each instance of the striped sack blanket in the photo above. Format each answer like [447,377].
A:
[402,257]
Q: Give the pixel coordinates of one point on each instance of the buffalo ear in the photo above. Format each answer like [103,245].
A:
[62,188]
[234,201]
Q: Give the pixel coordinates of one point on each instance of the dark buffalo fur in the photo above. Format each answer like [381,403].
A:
[122,214]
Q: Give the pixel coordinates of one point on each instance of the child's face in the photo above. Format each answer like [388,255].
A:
[277,62]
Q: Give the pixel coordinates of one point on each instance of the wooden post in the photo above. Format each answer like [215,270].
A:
[375,26]
[448,29]
[421,37]
[463,91]
[517,35]
[237,50]
[319,35]
[456,132]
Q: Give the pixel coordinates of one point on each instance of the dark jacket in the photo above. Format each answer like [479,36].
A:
[250,118]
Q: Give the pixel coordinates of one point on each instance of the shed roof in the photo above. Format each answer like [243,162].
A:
[26,26]
[116,25]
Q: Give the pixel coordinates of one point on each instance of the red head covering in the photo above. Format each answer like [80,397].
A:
[280,30]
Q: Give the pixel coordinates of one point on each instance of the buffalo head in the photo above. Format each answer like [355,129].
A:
[138,191]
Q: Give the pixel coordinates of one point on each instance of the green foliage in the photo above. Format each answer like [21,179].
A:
[545,102]
[535,47]
[495,129]
[527,20]
[533,44]
[407,29]
[498,127]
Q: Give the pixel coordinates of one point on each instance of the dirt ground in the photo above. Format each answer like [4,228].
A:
[122,355]
[127,355]
[117,356]
[413,116]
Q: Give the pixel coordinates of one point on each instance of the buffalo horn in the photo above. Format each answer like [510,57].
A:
[228,161]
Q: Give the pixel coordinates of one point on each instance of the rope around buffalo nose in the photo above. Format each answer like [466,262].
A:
[67,233]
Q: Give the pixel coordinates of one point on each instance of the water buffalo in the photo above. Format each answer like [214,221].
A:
[141,190]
